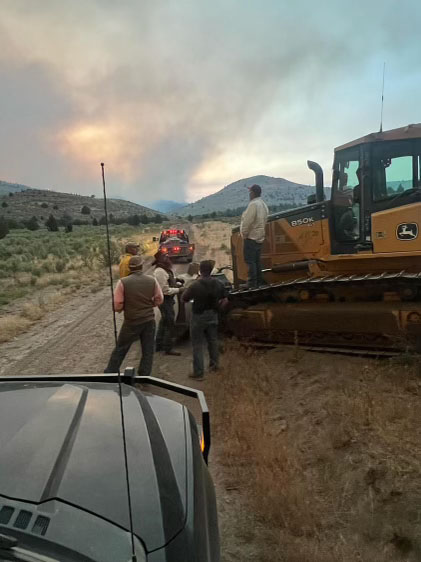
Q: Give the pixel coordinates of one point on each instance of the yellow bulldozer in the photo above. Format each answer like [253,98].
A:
[344,272]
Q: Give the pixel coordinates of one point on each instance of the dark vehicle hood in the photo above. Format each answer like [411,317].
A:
[64,442]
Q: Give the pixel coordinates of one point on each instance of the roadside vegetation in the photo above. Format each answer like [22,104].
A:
[41,269]
[325,451]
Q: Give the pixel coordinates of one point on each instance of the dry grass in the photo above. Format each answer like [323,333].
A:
[327,451]
[11,326]
[32,311]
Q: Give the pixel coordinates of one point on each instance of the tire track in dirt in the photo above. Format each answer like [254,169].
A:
[68,340]
[75,338]
[78,337]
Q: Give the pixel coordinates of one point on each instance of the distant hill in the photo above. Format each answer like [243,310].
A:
[166,206]
[6,187]
[22,205]
[275,191]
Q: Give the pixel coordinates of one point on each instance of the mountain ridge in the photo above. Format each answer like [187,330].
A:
[21,205]
[275,192]
[167,205]
[8,187]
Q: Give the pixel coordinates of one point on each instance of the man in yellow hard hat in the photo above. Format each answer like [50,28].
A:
[132,249]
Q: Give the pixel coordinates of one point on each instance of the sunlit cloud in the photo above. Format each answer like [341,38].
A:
[88,144]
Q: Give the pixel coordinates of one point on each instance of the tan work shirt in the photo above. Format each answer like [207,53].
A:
[254,219]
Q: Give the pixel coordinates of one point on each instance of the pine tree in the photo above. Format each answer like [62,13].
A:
[32,224]
[51,224]
[4,228]
[134,220]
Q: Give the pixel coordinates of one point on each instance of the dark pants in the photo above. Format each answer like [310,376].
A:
[252,251]
[204,327]
[166,327]
[129,334]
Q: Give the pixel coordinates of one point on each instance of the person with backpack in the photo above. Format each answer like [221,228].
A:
[206,294]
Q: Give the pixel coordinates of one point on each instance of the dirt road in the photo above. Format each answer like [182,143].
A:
[78,338]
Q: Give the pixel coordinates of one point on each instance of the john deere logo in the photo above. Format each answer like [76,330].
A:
[407,231]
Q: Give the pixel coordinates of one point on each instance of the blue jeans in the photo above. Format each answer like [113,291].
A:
[166,326]
[252,251]
[204,327]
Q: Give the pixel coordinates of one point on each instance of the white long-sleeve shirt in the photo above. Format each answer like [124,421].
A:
[162,277]
[254,219]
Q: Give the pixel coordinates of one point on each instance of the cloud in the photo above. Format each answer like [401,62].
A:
[181,97]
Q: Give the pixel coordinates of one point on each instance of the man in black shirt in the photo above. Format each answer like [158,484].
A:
[206,294]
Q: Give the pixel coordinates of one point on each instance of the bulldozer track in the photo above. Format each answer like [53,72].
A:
[330,279]
[366,314]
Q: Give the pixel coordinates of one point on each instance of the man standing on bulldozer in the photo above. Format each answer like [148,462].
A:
[253,225]
[132,249]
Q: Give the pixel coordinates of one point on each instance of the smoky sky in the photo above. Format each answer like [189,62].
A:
[179,98]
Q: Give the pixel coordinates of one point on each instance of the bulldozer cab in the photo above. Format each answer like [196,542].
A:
[369,178]
[374,210]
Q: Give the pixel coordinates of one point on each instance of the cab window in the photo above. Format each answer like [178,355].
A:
[395,171]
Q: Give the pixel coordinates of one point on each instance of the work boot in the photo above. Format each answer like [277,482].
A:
[196,378]
[174,353]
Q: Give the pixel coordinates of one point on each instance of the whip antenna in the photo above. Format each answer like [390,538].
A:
[120,390]
[381,112]
[110,271]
